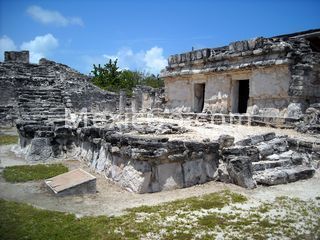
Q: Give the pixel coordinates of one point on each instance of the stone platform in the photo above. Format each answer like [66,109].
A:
[77,181]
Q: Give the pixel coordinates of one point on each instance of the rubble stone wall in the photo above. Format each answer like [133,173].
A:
[144,163]
[151,165]
[137,163]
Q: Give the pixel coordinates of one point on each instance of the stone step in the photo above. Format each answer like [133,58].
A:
[283,175]
[57,110]
[39,90]
[37,99]
[34,117]
[44,113]
[40,105]
[263,165]
[60,116]
[39,95]
[277,145]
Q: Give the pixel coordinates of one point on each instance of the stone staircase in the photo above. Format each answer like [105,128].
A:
[7,114]
[41,104]
[274,161]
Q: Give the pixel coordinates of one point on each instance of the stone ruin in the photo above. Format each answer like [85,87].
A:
[131,140]
[277,76]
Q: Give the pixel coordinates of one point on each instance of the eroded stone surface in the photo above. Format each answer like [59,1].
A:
[241,172]
[76,181]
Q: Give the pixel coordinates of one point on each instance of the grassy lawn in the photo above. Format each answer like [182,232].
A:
[223,214]
[8,139]
[26,173]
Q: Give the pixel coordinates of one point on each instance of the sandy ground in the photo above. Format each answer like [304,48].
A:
[112,200]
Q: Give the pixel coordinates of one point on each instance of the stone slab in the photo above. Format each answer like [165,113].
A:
[77,181]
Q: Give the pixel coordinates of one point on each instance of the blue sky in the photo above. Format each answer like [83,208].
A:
[142,34]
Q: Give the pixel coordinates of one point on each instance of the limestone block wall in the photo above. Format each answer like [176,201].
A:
[7,89]
[150,165]
[268,89]
[137,163]
[179,94]
[151,98]
[217,94]
[92,98]
[305,73]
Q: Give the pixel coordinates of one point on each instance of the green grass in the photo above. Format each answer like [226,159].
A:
[26,173]
[209,201]
[8,139]
[190,218]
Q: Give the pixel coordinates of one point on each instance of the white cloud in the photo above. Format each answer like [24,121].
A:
[52,17]
[151,61]
[40,46]
[154,60]
[127,59]
[6,44]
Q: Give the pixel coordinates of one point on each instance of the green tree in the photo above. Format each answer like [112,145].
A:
[130,79]
[110,78]
[152,81]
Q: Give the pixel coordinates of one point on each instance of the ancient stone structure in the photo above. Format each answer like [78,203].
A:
[43,91]
[276,76]
[269,160]
[22,57]
[275,81]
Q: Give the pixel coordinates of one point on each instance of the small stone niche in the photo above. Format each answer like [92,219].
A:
[13,56]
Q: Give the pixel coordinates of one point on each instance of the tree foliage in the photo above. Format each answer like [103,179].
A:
[110,77]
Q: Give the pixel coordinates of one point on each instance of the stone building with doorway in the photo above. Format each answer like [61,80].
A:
[277,76]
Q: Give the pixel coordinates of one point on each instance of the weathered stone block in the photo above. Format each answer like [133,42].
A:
[194,172]
[265,149]
[241,172]
[225,141]
[169,176]
[77,181]
[12,56]
[40,149]
[135,180]
[294,110]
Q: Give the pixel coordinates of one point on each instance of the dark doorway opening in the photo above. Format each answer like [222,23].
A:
[243,96]
[199,91]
